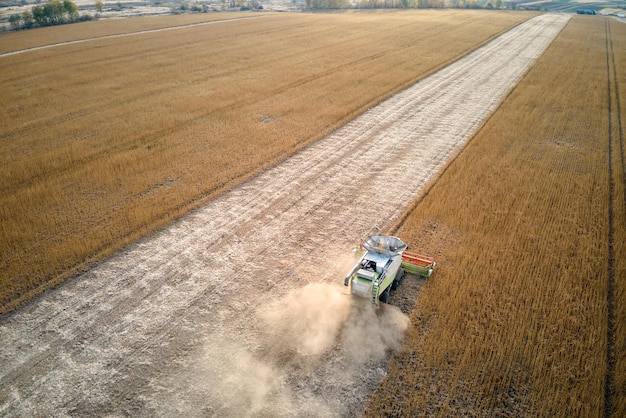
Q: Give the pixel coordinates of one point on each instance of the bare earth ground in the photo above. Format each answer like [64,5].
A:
[238,309]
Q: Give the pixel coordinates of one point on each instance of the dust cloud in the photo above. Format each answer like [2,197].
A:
[310,353]
[372,334]
[318,317]
[234,382]
[308,320]
[308,344]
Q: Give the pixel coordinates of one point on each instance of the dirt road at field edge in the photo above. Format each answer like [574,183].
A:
[238,309]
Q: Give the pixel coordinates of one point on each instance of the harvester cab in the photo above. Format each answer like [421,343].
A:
[381,268]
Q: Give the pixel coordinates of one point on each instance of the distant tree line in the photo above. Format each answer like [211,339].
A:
[327,4]
[404,4]
[54,12]
[57,12]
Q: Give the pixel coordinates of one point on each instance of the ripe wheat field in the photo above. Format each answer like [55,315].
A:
[526,314]
[106,141]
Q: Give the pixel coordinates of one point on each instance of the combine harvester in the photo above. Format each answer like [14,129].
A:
[382,267]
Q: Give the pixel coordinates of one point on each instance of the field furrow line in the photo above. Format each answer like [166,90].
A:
[131,334]
[609,383]
[620,126]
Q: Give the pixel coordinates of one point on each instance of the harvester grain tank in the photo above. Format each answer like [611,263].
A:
[382,266]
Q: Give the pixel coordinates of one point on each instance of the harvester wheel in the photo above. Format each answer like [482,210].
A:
[398,280]
[384,297]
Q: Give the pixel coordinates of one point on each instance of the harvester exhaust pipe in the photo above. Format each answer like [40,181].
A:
[357,266]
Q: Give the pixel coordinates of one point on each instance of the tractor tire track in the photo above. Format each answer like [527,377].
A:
[613,114]
[135,334]
[618,108]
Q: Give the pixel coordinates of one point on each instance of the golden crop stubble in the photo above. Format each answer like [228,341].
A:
[514,321]
[105,141]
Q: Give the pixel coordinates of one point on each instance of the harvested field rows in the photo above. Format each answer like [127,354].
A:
[527,313]
[206,316]
[105,141]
